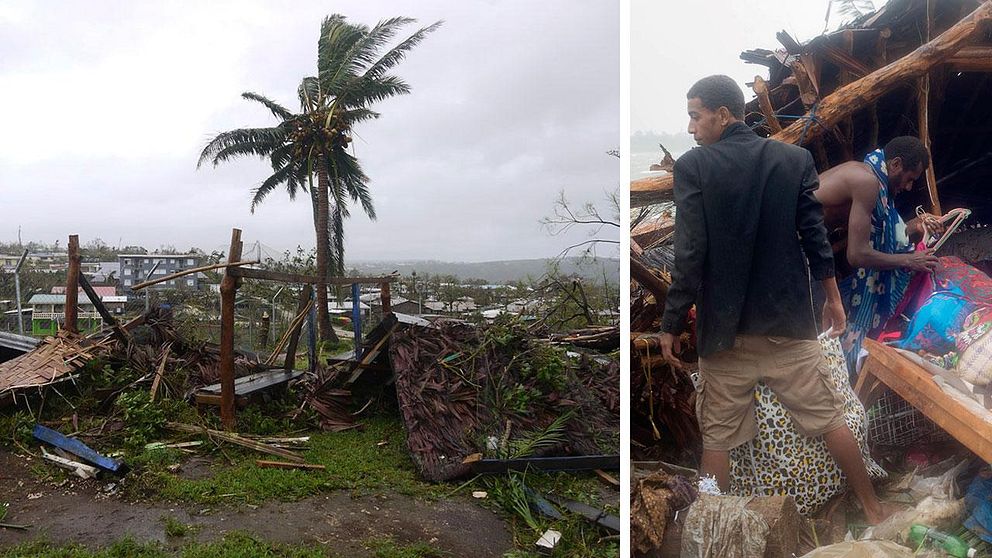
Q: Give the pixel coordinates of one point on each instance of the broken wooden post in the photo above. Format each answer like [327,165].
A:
[384,298]
[761,90]
[228,289]
[119,332]
[72,286]
[306,296]
[356,318]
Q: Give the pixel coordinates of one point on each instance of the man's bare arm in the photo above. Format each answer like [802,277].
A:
[860,252]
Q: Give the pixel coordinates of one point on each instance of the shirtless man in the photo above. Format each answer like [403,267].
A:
[879,244]
[849,194]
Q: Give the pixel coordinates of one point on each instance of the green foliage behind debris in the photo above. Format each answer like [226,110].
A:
[144,419]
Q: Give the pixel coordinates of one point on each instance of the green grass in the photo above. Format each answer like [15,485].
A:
[387,548]
[234,545]
[176,528]
[580,539]
[354,459]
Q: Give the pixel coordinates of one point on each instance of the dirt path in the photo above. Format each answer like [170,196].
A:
[84,512]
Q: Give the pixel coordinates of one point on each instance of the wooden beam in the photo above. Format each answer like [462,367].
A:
[851,97]
[761,90]
[639,272]
[306,296]
[870,88]
[971,59]
[969,424]
[923,117]
[286,465]
[228,291]
[384,298]
[159,371]
[267,275]
[104,313]
[72,286]
[804,71]
[172,276]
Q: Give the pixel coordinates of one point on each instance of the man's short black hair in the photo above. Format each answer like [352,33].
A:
[908,148]
[719,91]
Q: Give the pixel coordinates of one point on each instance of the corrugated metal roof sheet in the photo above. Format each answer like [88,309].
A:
[45,298]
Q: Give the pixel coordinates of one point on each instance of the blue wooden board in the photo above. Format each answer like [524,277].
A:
[76,447]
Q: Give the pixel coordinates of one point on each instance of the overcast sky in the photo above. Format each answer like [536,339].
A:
[675,43]
[106,106]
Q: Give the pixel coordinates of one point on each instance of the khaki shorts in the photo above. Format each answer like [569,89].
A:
[794,369]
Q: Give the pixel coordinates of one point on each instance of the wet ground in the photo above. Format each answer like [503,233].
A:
[89,512]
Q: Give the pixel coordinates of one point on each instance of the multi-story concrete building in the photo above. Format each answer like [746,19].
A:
[134,269]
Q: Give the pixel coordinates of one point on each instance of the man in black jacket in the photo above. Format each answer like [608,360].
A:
[749,233]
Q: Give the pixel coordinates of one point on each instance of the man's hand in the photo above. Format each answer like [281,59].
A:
[834,318]
[923,261]
[933,223]
[670,344]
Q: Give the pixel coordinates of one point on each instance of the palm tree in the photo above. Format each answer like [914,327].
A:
[351,77]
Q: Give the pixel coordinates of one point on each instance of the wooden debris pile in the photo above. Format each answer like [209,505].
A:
[158,336]
[495,390]
[53,360]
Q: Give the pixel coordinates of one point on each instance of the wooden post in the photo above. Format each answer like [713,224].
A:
[306,295]
[847,125]
[384,298]
[228,290]
[72,286]
[923,114]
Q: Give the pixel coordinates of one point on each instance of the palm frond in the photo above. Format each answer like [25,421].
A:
[261,138]
[398,52]
[529,442]
[278,110]
[362,92]
[335,45]
[355,115]
[360,54]
[270,183]
[310,94]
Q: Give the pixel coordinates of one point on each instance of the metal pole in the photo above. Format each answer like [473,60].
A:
[356,318]
[148,293]
[17,292]
[272,326]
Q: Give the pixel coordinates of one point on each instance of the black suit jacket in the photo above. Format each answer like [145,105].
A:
[748,234]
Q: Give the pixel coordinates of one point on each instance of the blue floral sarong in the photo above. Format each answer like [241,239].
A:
[871,296]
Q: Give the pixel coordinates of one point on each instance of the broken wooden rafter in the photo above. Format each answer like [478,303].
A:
[234,438]
[265,274]
[761,90]
[851,97]
[72,285]
[870,88]
[284,465]
[178,274]
[119,332]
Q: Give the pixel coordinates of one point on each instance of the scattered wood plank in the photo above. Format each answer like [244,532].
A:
[963,418]
[572,463]
[190,271]
[234,438]
[80,469]
[283,465]
[160,371]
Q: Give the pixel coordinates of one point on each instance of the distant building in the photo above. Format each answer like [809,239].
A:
[48,311]
[134,269]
